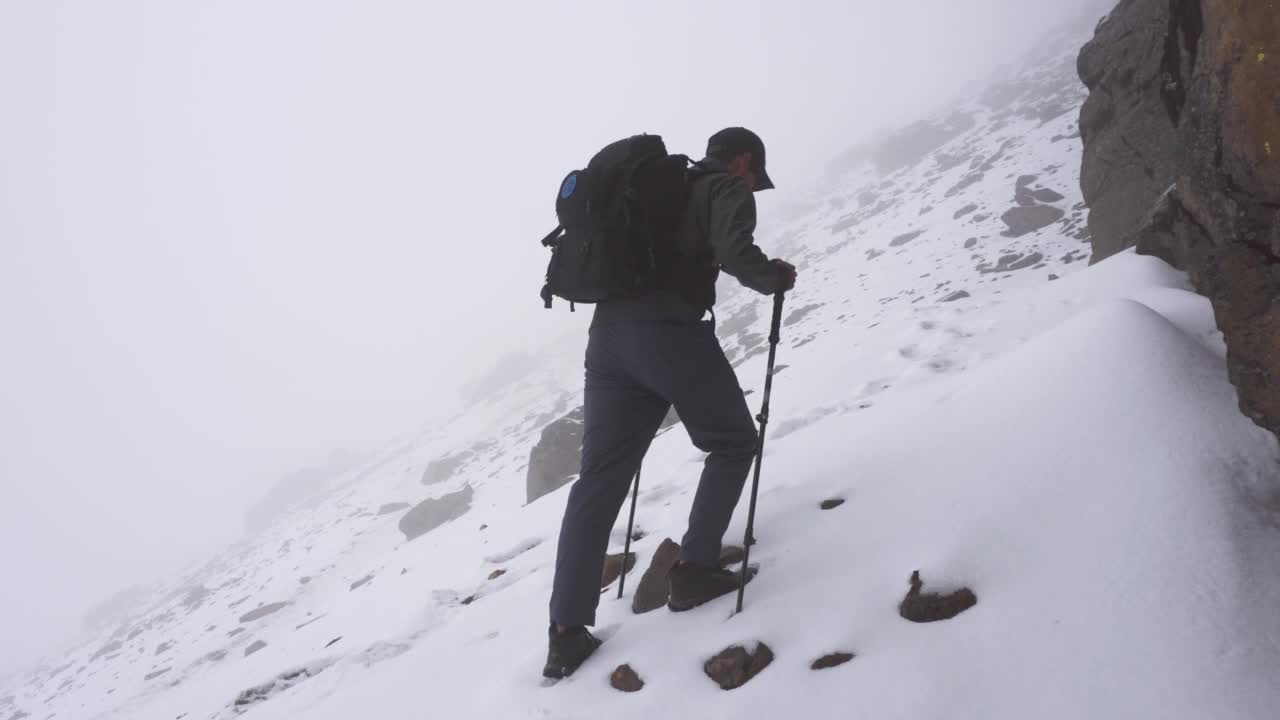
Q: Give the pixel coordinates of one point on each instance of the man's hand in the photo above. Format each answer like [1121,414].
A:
[788,272]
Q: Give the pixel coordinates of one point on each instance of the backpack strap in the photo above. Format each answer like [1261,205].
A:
[552,236]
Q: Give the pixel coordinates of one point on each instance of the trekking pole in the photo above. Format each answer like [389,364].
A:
[763,418]
[626,548]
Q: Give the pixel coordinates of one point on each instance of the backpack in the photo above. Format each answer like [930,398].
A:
[618,222]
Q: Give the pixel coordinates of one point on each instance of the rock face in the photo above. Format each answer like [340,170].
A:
[922,607]
[555,459]
[733,666]
[654,590]
[1182,160]
[434,512]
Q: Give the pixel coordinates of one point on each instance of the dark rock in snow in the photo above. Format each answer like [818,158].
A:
[1023,220]
[163,648]
[442,469]
[255,647]
[263,611]
[1045,195]
[831,503]
[555,459]
[965,211]
[153,675]
[1011,262]
[235,632]
[1052,276]
[653,590]
[1181,159]
[957,295]
[361,582]
[971,242]
[798,314]
[497,573]
[468,599]
[434,512]
[832,660]
[905,238]
[333,642]
[929,607]
[613,567]
[733,667]
[625,679]
[279,684]
[392,507]
[874,253]
[106,650]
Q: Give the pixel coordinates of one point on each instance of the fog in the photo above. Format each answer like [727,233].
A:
[238,236]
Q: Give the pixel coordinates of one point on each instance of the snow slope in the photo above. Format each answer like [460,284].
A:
[1071,450]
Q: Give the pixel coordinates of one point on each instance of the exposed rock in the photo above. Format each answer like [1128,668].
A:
[625,679]
[733,666]
[1011,262]
[263,611]
[971,242]
[497,573]
[163,648]
[613,567]
[153,675]
[905,238]
[278,684]
[798,314]
[1182,159]
[965,211]
[392,507]
[832,660]
[333,642]
[831,503]
[1027,219]
[468,599]
[653,590]
[957,295]
[555,460]
[195,597]
[443,468]
[106,650]
[929,607]
[254,647]
[874,253]
[235,632]
[434,512]
[304,580]
[362,582]
[1045,195]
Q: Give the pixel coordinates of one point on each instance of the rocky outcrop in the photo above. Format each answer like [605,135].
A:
[434,512]
[555,459]
[1182,160]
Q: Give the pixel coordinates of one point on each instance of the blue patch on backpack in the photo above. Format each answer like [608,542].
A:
[570,184]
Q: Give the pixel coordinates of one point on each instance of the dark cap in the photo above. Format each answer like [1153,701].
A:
[731,142]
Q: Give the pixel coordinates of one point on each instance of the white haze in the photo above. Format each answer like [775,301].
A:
[237,236]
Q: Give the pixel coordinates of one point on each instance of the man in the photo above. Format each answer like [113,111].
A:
[645,355]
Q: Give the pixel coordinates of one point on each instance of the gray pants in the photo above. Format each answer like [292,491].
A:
[635,372]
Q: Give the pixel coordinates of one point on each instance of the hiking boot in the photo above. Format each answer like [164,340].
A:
[567,650]
[693,585]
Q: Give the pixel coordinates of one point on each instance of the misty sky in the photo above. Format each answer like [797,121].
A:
[237,235]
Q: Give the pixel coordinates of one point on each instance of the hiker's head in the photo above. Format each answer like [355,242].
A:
[742,151]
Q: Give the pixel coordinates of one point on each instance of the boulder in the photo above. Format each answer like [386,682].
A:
[831,660]
[556,458]
[733,667]
[613,567]
[654,590]
[1181,159]
[434,512]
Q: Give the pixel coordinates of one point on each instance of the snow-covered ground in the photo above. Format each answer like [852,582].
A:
[1070,449]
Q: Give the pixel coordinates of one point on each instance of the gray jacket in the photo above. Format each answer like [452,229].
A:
[716,233]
